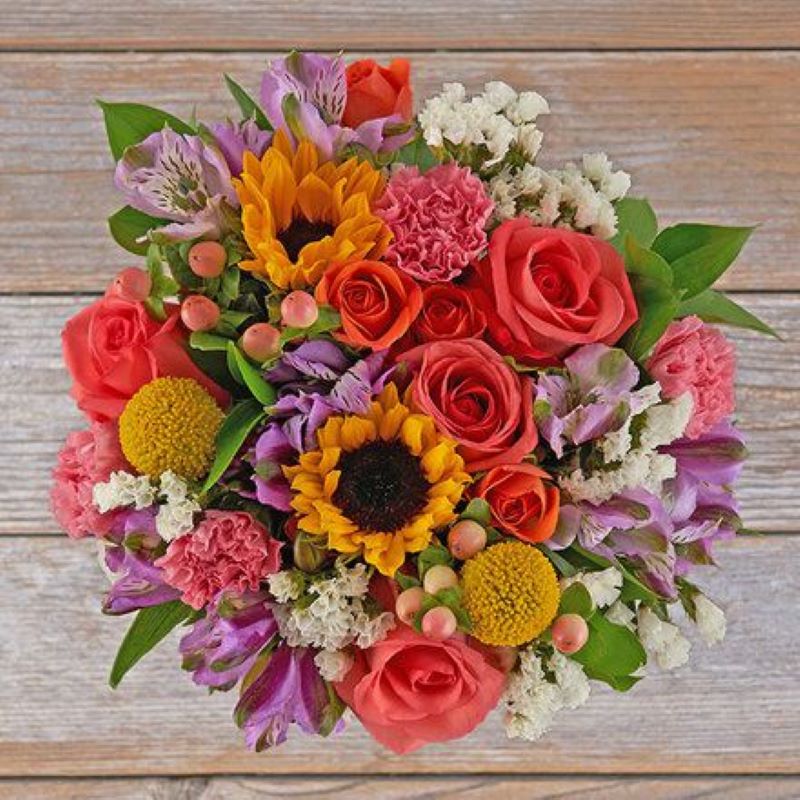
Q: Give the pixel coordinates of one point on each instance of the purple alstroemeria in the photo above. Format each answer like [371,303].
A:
[140,583]
[314,381]
[593,395]
[305,94]
[221,648]
[234,138]
[288,690]
[179,178]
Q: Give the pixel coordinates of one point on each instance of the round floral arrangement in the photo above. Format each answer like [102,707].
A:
[394,419]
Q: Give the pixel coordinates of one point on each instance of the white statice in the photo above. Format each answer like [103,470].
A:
[532,700]
[662,640]
[710,620]
[121,490]
[336,617]
[176,514]
[604,586]
[499,119]
[333,665]
[286,585]
[615,445]
[621,614]
[666,422]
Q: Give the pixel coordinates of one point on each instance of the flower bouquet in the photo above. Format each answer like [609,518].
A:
[395,419]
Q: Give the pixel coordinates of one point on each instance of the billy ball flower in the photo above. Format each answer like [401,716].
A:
[227,550]
[170,424]
[438,220]
[511,593]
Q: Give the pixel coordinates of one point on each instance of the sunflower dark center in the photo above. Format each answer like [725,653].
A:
[300,233]
[382,486]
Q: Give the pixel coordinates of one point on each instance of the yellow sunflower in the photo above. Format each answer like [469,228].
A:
[379,484]
[300,214]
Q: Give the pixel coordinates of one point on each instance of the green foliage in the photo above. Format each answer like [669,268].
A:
[699,254]
[128,225]
[416,153]
[328,320]
[406,581]
[259,388]
[635,216]
[249,108]
[235,429]
[128,124]
[208,342]
[434,553]
[713,306]
[576,600]
[149,627]
[477,510]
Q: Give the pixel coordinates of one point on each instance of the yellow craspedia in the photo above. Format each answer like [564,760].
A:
[170,424]
[511,593]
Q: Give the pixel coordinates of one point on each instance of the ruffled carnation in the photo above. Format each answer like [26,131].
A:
[694,357]
[227,550]
[437,219]
[88,457]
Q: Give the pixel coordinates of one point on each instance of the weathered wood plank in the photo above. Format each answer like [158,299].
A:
[419,787]
[446,24]
[735,710]
[708,136]
[36,413]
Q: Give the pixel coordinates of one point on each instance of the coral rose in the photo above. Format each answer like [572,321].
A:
[375,92]
[114,347]
[227,550]
[522,500]
[377,303]
[437,219]
[409,691]
[476,398]
[548,290]
[448,312]
[694,357]
[87,457]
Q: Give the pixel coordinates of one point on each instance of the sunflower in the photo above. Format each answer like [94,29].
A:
[379,484]
[300,214]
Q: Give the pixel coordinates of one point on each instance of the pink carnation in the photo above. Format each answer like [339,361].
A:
[227,550]
[694,357]
[87,457]
[437,219]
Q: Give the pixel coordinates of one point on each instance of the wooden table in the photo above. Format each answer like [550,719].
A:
[698,99]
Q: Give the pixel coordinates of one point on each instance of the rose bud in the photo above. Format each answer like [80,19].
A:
[131,284]
[299,310]
[199,313]
[261,341]
[466,539]
[569,633]
[439,623]
[439,577]
[408,603]
[207,259]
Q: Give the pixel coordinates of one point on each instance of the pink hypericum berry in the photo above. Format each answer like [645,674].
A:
[207,259]
[466,539]
[261,341]
[199,313]
[439,623]
[299,310]
[408,603]
[439,577]
[131,284]
[569,633]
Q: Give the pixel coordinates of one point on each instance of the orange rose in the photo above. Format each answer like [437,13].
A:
[374,91]
[377,303]
[521,502]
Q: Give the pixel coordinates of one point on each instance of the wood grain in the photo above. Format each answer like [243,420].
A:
[708,136]
[472,25]
[36,413]
[485,787]
[736,709]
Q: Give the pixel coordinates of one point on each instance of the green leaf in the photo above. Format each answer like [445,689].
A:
[647,263]
[433,554]
[235,429]
[208,342]
[128,225]
[713,306]
[416,153]
[635,215]
[259,388]
[699,254]
[328,320]
[406,581]
[130,123]
[249,108]
[562,566]
[576,600]
[149,627]
[477,510]
[658,304]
